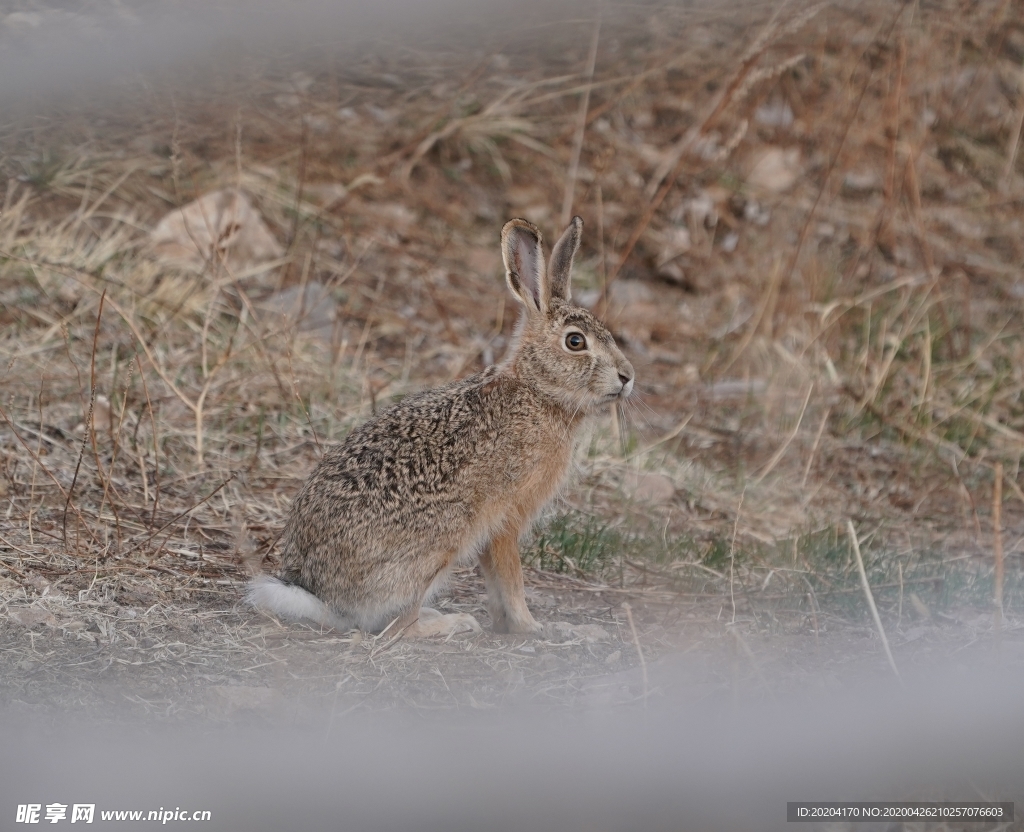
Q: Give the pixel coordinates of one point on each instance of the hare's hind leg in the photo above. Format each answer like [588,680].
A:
[433,623]
[423,622]
[506,595]
[418,621]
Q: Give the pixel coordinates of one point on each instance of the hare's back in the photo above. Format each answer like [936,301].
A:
[412,453]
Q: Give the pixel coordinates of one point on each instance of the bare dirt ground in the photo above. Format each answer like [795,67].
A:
[803,224]
[207,659]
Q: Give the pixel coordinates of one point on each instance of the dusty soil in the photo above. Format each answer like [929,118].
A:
[205,657]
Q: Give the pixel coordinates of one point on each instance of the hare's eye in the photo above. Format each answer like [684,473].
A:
[575,341]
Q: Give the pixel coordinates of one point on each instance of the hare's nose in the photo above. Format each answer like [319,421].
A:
[626,374]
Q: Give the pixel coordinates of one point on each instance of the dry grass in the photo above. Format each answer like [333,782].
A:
[828,331]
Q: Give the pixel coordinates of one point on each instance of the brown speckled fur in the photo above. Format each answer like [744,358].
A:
[458,471]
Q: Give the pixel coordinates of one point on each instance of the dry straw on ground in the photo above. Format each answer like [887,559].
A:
[804,223]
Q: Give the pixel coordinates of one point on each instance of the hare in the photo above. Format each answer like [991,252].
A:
[452,473]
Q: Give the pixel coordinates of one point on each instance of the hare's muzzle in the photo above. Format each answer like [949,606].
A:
[626,377]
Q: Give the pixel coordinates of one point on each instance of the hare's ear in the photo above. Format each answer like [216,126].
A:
[524,264]
[560,267]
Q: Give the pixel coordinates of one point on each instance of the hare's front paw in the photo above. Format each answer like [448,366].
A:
[433,623]
[523,625]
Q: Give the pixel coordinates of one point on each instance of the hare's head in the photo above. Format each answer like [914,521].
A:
[561,349]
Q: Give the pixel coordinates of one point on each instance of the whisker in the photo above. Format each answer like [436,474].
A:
[623,428]
[638,398]
[635,402]
[629,409]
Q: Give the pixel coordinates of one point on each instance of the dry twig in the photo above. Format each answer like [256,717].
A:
[871,598]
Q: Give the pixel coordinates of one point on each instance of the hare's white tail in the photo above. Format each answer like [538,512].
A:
[291,602]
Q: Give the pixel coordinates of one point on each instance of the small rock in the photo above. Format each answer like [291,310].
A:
[380,115]
[639,313]
[558,630]
[700,211]
[32,617]
[750,210]
[317,122]
[643,120]
[137,596]
[651,489]
[673,274]
[390,216]
[776,171]
[73,626]
[589,633]
[674,242]
[38,583]
[102,420]
[311,308]
[219,225]
[860,184]
[613,658]
[627,293]
[326,195]
[774,113]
